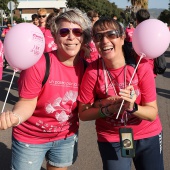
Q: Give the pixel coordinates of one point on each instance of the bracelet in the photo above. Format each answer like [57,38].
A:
[101,114]
[19,119]
[107,112]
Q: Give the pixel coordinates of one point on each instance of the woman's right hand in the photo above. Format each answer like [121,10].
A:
[8,119]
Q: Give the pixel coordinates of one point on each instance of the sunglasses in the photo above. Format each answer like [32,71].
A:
[41,16]
[76,31]
[109,34]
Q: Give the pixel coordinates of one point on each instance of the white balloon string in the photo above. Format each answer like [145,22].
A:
[8,91]
[141,56]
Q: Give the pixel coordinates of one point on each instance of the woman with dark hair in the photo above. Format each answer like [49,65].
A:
[106,87]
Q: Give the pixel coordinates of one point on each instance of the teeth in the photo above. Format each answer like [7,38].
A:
[107,48]
[70,45]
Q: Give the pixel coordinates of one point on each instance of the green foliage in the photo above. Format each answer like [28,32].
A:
[4,3]
[18,20]
[103,7]
[165,16]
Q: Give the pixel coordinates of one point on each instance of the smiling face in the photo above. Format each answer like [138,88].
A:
[108,39]
[70,41]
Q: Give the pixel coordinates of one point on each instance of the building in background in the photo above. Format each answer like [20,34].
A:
[26,8]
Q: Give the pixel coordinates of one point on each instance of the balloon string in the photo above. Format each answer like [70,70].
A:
[141,56]
[8,91]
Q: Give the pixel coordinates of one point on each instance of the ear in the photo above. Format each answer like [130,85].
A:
[123,38]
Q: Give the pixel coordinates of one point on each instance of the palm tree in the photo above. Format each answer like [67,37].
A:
[137,4]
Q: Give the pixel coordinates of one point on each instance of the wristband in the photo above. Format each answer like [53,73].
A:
[101,114]
[19,119]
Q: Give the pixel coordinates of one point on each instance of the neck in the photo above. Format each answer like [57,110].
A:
[68,60]
[115,62]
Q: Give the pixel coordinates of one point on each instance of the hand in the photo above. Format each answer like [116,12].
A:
[129,96]
[8,119]
[108,101]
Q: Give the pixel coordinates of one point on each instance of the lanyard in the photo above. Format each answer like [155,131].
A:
[111,78]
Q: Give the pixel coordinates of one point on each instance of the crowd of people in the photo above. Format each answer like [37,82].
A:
[89,78]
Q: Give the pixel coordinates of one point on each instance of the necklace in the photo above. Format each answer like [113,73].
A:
[112,79]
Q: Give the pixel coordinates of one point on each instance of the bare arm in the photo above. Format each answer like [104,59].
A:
[22,111]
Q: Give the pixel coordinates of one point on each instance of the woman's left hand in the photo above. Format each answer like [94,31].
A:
[128,94]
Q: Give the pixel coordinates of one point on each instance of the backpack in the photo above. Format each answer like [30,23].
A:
[160,64]
[47,70]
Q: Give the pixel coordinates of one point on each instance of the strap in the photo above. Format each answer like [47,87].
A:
[47,71]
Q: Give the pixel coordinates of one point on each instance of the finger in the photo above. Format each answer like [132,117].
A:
[8,120]
[3,121]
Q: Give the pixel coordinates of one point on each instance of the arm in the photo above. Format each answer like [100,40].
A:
[22,111]
[147,111]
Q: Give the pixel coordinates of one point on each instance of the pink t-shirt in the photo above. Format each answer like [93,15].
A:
[5,31]
[42,29]
[129,33]
[93,88]
[93,52]
[1,59]
[56,113]
[49,41]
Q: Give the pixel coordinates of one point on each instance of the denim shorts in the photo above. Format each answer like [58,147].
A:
[60,153]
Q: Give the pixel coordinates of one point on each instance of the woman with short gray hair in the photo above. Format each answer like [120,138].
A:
[45,119]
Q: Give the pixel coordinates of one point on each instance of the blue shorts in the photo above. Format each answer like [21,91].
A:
[148,155]
[60,153]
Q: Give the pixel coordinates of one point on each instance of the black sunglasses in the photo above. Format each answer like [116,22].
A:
[76,31]
[109,34]
[41,16]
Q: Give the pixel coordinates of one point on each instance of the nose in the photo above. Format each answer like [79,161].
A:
[71,35]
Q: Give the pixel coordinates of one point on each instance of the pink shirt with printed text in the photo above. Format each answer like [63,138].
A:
[1,59]
[93,87]
[56,114]
[49,41]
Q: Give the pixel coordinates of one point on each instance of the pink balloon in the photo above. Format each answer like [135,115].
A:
[23,46]
[151,38]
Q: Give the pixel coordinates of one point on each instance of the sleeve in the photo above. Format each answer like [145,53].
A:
[147,83]
[87,87]
[30,80]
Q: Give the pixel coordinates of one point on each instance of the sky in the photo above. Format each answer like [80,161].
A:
[123,3]
[151,3]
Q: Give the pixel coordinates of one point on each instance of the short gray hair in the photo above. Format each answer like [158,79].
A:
[75,16]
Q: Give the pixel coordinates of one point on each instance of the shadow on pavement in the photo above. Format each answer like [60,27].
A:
[5,157]
[6,83]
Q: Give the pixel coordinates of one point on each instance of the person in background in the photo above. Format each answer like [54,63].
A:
[6,30]
[42,15]
[35,19]
[14,23]
[1,59]
[129,32]
[89,52]
[107,82]
[50,45]
[45,119]
[93,15]
[142,15]
[5,21]
[3,35]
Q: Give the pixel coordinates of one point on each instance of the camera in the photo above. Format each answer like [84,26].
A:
[127,142]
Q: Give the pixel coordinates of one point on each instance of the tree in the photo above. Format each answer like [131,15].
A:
[137,4]
[3,5]
[103,7]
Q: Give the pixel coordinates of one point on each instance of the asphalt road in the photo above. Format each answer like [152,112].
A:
[88,158]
